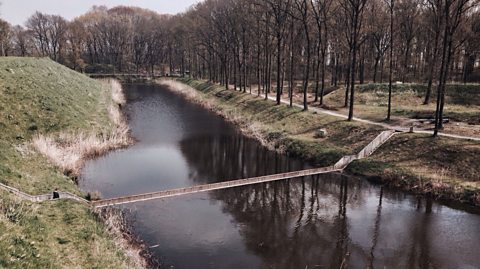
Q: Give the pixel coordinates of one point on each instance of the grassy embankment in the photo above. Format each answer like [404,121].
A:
[445,168]
[65,112]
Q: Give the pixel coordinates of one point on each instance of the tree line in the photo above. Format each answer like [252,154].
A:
[271,45]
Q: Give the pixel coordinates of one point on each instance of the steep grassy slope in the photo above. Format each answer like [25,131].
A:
[39,96]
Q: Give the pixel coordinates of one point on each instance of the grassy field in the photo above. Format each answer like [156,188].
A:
[462,105]
[446,168]
[39,96]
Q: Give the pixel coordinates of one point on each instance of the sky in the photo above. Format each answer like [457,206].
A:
[18,11]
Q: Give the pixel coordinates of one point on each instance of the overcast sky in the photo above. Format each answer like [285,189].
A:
[17,11]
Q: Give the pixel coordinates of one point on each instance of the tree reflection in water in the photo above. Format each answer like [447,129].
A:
[304,222]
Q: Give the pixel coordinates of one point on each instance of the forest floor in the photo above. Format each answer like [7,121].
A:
[41,97]
[444,167]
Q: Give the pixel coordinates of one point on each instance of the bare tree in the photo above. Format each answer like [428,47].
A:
[279,10]
[75,36]
[353,9]
[49,34]
[435,23]
[5,33]
[230,42]
[322,12]
[22,42]
[303,10]
[453,12]
[407,14]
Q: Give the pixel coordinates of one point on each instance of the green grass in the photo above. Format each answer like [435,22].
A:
[459,94]
[39,96]
[60,234]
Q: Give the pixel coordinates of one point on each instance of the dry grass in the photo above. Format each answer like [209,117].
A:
[116,91]
[188,92]
[68,151]
[63,235]
[117,226]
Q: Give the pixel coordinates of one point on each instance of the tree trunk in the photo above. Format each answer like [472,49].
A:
[316,71]
[442,93]
[362,66]
[375,69]
[432,68]
[390,75]
[307,69]
[347,79]
[443,73]
[322,89]
[324,53]
[279,67]
[352,66]
[290,83]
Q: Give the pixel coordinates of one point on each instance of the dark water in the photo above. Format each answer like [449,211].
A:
[326,221]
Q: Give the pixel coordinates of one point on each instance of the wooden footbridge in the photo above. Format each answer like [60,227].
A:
[337,167]
[210,187]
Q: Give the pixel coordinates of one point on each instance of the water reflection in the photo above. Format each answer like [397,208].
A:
[328,221]
[219,158]
[337,222]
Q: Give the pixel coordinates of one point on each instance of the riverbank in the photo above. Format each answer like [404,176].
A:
[52,120]
[443,168]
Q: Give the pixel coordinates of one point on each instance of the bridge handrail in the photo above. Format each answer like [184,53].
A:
[42,197]
[213,186]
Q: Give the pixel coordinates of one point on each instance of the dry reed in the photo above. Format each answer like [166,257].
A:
[68,151]
[118,227]
[188,92]
[116,91]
